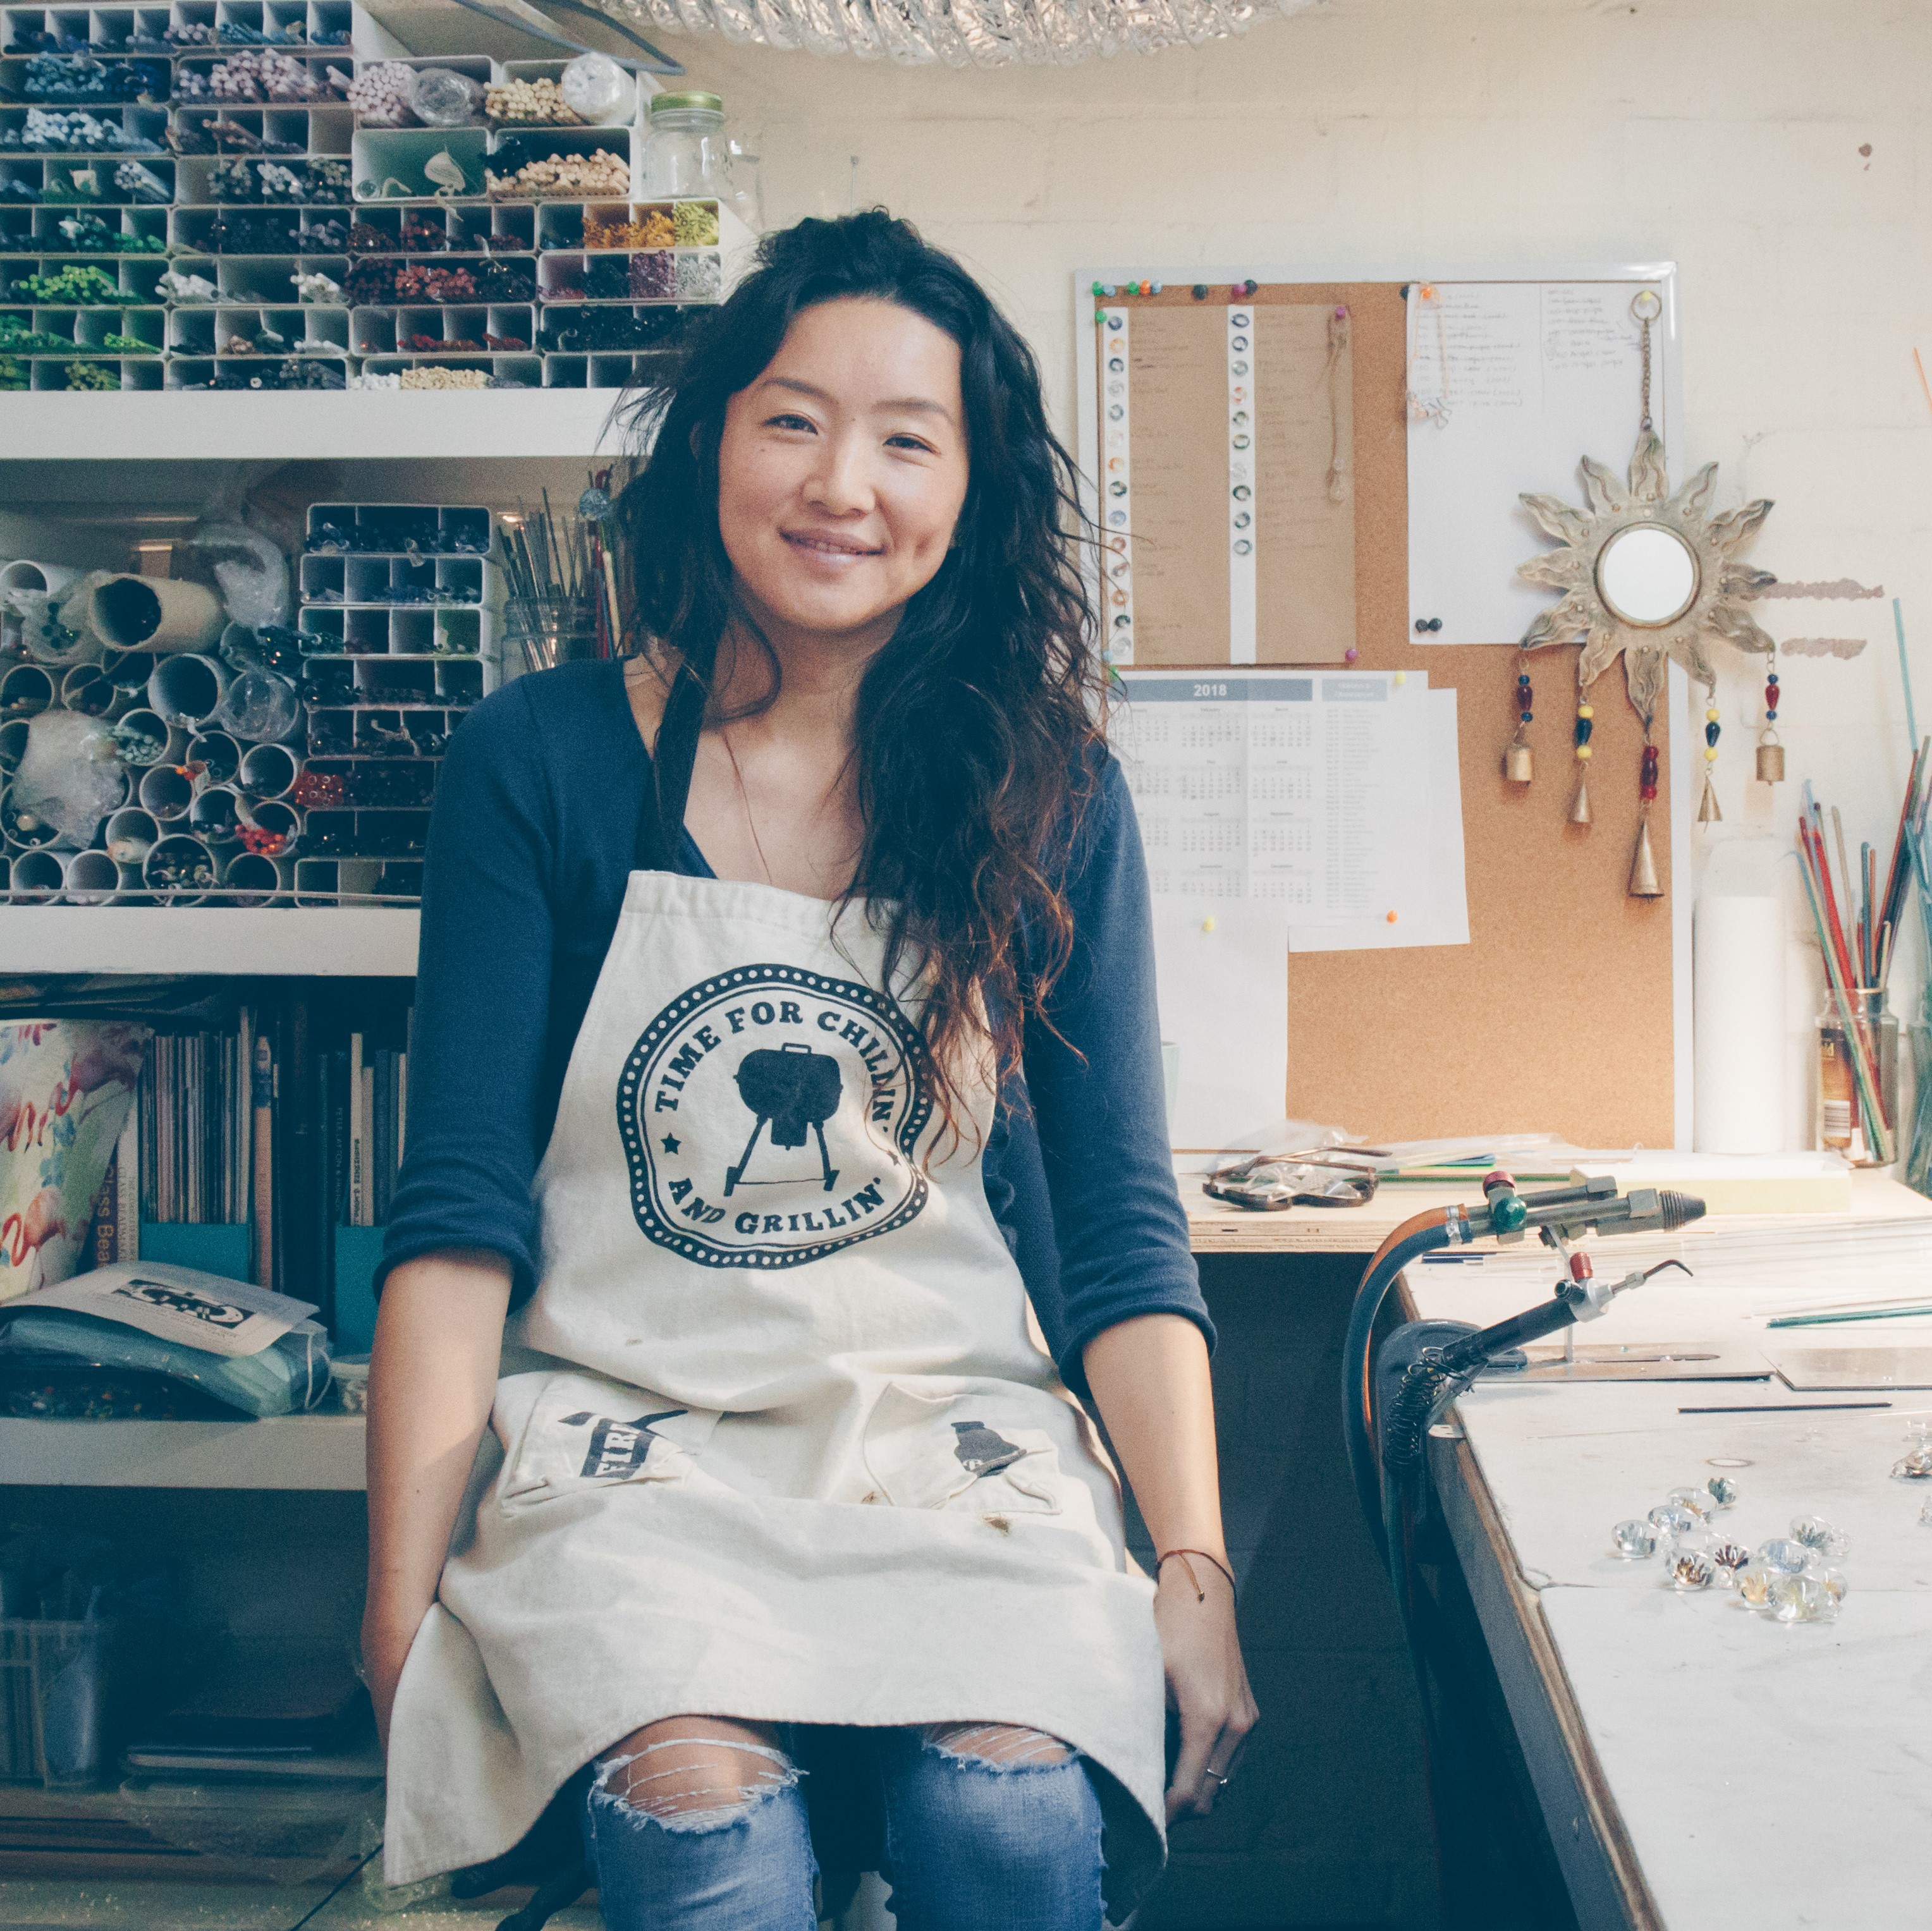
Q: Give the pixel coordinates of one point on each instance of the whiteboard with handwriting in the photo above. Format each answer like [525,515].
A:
[1509,382]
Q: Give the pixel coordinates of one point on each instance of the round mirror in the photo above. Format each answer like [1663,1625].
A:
[1647,575]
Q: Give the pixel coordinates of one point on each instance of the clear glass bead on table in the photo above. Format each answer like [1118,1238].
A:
[1633,1541]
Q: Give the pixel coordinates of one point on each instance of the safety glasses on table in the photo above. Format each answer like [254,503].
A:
[1313,1176]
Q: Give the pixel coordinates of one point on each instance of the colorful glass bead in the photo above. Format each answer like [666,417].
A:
[1722,1490]
[1754,1583]
[1584,727]
[1729,1557]
[1523,679]
[1697,1501]
[1673,1518]
[1690,1569]
[1819,1536]
[1712,732]
[1633,1541]
[1786,1557]
[1799,1599]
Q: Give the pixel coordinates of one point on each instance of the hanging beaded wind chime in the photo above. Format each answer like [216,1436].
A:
[1655,577]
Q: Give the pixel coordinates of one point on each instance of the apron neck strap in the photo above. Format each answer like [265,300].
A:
[661,817]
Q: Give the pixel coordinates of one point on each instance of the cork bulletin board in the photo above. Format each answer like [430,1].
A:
[1558,1015]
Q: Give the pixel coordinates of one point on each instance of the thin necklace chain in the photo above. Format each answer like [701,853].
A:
[751,817]
[745,800]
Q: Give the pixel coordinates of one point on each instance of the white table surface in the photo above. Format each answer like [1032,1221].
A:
[1767,1775]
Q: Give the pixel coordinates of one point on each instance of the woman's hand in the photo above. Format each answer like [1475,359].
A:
[1150,1379]
[432,1378]
[1207,1681]
[387,1635]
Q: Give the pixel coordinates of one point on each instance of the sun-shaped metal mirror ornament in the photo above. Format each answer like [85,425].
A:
[1654,576]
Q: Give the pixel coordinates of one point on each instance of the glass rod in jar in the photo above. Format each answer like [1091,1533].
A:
[1842,1124]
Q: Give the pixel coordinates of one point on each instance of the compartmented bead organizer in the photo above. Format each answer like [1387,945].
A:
[237,194]
[395,625]
[273,767]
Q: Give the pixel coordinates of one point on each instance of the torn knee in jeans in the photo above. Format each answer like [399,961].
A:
[698,1778]
[997,1746]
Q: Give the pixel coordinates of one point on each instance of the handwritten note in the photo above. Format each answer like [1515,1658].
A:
[1510,383]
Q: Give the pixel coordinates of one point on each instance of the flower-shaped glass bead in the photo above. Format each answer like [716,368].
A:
[1753,1584]
[1799,1599]
[1830,1578]
[1723,1491]
[1673,1518]
[1691,1569]
[1915,1467]
[1633,1541]
[1817,1534]
[1728,1557]
[1697,1501]
[1786,1557]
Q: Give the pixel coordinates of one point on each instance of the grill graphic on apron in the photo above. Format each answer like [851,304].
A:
[790,1090]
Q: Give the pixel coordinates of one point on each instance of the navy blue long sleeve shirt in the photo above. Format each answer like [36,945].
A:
[529,847]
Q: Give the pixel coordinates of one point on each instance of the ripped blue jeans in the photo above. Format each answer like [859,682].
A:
[974,1827]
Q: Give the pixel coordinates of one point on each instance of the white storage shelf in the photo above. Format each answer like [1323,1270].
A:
[344,942]
[319,1451]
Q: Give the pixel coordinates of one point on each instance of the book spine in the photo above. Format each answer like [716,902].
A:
[358,1135]
[366,1092]
[101,1242]
[128,1189]
[383,1136]
[262,1219]
[238,1153]
[335,1150]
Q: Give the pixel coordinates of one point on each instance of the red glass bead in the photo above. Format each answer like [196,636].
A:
[1647,792]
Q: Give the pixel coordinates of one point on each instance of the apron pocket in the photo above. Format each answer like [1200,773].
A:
[943,1452]
[562,1433]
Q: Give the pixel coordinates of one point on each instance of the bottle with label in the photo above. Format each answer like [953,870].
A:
[1841,1123]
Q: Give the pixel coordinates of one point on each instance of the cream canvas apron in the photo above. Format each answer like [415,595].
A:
[795,1453]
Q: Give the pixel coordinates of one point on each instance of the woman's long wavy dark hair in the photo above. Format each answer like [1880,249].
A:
[977,726]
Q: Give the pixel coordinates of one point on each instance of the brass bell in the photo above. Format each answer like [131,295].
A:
[1579,805]
[1643,866]
[1519,764]
[1770,764]
[1709,811]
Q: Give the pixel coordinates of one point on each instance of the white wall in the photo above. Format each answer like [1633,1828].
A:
[1777,151]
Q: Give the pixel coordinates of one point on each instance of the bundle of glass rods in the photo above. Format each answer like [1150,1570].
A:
[560,567]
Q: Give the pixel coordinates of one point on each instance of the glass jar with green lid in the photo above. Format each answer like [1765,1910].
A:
[686,153]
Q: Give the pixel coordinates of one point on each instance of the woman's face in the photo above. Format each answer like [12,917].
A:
[842,470]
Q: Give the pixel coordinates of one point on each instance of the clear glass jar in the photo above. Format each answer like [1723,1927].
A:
[550,631]
[1843,1125]
[686,154]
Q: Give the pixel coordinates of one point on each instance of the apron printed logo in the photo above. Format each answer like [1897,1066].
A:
[771,1116]
[981,1450]
[618,1449]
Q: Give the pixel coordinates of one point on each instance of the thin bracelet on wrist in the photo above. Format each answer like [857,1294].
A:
[1200,1594]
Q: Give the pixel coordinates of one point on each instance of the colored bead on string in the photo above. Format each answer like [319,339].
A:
[1519,764]
[1708,810]
[1579,800]
[1770,751]
[1644,883]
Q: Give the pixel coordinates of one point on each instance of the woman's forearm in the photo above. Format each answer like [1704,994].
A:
[1150,1382]
[432,1380]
